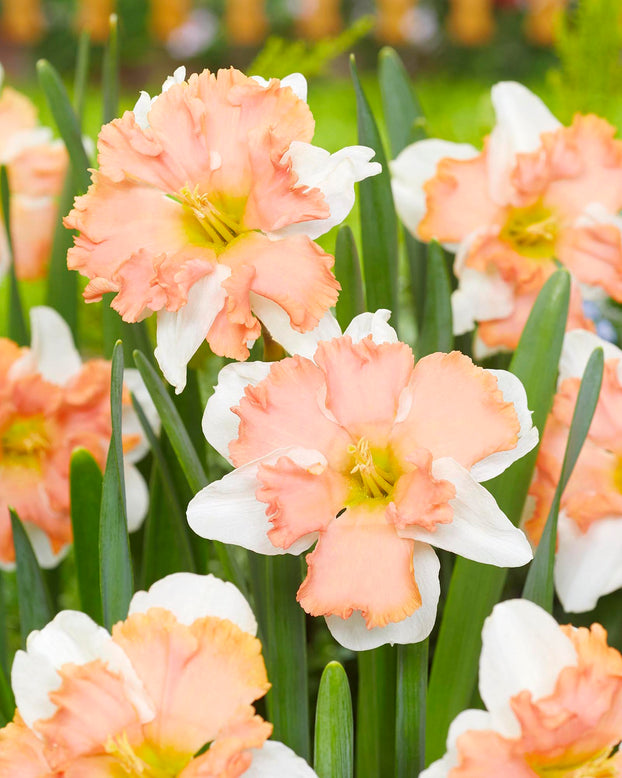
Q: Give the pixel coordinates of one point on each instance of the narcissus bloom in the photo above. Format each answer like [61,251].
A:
[554,702]
[181,672]
[374,458]
[206,203]
[51,404]
[589,540]
[36,167]
[537,193]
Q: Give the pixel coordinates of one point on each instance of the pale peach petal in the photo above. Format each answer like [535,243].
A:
[360,564]
[378,371]
[22,753]
[17,113]
[593,254]
[199,677]
[486,754]
[39,170]
[32,226]
[457,410]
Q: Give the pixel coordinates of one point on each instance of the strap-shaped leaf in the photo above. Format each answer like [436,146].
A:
[375,719]
[351,300]
[18,330]
[334,747]
[437,328]
[402,111]
[412,683]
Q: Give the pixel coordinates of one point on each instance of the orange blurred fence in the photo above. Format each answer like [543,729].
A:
[468,22]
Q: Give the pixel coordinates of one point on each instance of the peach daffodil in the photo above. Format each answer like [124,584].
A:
[168,695]
[50,404]
[554,702]
[207,202]
[36,166]
[372,458]
[589,535]
[537,193]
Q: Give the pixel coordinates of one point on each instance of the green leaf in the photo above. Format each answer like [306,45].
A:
[35,608]
[18,330]
[351,300]
[437,328]
[110,73]
[402,111]
[115,563]
[334,747]
[375,720]
[539,586]
[81,75]
[7,700]
[412,682]
[378,218]
[62,289]
[85,484]
[475,588]
[67,123]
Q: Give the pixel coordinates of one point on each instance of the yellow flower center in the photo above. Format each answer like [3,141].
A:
[617,474]
[209,224]
[531,231]
[23,443]
[145,761]
[373,473]
[601,766]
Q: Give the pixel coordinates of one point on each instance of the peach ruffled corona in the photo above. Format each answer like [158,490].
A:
[168,695]
[553,697]
[208,199]
[373,458]
[36,167]
[538,193]
[587,562]
[51,404]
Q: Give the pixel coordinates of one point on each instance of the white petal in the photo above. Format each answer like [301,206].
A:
[141,110]
[467,721]
[52,348]
[577,349]
[296,82]
[587,565]
[334,175]
[178,77]
[415,165]
[276,760]
[521,119]
[278,324]
[228,510]
[513,392]
[130,424]
[220,425]
[190,597]
[353,634]
[374,324]
[46,557]
[70,638]
[180,334]
[479,529]
[523,649]
[136,497]
[479,297]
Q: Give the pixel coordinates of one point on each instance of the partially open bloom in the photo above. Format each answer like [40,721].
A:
[36,167]
[373,457]
[554,702]
[589,540]
[51,404]
[537,193]
[207,201]
[168,695]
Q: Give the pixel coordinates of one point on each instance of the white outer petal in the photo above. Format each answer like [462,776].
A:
[52,350]
[375,324]
[180,334]
[220,425]
[189,597]
[577,349]
[278,324]
[480,297]
[46,557]
[145,101]
[136,497]
[415,165]
[130,423]
[467,721]
[276,760]
[523,649]
[513,391]
[228,510]
[295,81]
[353,633]
[521,119]
[334,175]
[479,529]
[70,638]
[587,565]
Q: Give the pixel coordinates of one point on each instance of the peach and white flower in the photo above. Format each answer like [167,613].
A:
[553,697]
[375,459]
[50,404]
[537,193]
[36,166]
[181,672]
[210,196]
[589,539]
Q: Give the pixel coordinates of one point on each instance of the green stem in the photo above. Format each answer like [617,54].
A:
[412,681]
[376,713]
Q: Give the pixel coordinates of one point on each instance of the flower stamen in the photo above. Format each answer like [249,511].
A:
[376,481]
[220,228]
